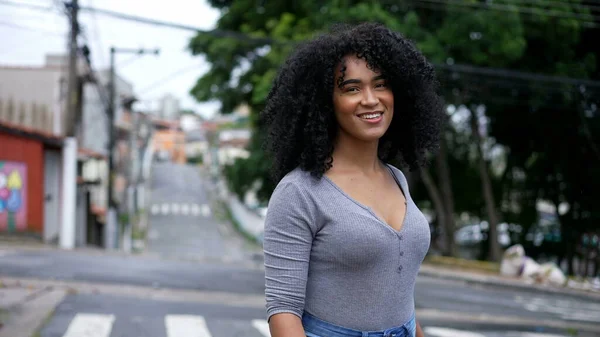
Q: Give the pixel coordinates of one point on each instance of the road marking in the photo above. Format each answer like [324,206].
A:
[184,209]
[566,310]
[205,210]
[445,332]
[90,325]
[195,210]
[536,334]
[186,326]
[262,326]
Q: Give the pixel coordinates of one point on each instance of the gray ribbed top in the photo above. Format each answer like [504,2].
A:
[333,257]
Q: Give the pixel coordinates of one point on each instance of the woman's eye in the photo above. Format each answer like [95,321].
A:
[352,89]
[381,85]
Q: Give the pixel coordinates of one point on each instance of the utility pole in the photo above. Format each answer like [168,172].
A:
[113,227]
[69,151]
[72,115]
[111,230]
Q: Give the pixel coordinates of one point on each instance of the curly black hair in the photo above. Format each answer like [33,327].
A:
[299,113]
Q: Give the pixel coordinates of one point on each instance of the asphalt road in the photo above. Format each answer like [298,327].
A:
[183,223]
[192,249]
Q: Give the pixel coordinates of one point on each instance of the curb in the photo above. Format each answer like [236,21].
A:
[505,283]
[27,317]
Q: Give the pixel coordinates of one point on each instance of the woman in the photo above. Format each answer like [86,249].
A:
[343,239]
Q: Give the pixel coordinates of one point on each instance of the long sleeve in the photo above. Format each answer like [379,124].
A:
[288,237]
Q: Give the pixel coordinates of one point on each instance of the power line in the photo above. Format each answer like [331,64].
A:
[214,32]
[459,68]
[486,71]
[31,29]
[557,4]
[513,74]
[27,5]
[586,20]
[167,78]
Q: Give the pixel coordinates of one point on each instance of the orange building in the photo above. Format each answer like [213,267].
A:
[168,141]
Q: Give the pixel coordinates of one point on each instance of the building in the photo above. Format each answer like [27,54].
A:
[168,141]
[33,96]
[232,145]
[168,108]
[59,181]
[196,145]
[30,174]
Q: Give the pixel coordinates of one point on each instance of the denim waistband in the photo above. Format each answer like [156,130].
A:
[315,327]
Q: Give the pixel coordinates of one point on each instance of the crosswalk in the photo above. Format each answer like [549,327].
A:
[566,310]
[447,332]
[101,325]
[185,209]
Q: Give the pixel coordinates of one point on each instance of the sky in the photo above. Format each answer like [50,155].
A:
[28,35]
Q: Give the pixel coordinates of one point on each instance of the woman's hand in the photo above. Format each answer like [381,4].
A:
[419,332]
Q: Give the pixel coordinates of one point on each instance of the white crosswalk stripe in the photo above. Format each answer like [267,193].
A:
[186,326]
[262,326]
[90,325]
[185,209]
[180,209]
[445,332]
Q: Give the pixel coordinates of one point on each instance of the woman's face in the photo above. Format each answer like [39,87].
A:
[363,103]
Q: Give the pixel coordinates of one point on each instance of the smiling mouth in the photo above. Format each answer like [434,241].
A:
[370,115]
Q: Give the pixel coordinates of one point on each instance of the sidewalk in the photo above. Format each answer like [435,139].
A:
[23,310]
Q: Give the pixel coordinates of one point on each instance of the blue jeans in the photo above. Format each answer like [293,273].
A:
[314,327]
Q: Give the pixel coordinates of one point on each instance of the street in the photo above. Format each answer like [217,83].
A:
[199,278]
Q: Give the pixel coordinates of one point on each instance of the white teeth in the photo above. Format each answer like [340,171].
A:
[370,116]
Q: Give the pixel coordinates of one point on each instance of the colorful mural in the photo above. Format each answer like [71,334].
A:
[13,196]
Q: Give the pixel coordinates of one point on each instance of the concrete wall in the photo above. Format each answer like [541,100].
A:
[34,94]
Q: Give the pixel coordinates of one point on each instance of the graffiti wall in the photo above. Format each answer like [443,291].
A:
[13,198]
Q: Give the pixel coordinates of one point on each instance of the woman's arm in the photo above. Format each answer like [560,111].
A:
[287,243]
[419,331]
[286,325]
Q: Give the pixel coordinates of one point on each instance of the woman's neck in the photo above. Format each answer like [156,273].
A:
[351,154]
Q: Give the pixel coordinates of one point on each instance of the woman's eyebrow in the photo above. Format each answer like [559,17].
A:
[357,81]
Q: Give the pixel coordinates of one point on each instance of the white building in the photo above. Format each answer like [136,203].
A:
[32,96]
[168,108]
[232,145]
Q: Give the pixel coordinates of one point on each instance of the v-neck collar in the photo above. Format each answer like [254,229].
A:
[369,209]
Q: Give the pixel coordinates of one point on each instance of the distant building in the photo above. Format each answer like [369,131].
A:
[196,144]
[190,122]
[168,108]
[232,145]
[168,141]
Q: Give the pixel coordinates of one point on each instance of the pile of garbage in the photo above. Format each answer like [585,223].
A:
[516,264]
